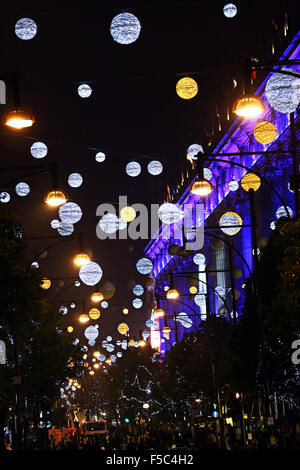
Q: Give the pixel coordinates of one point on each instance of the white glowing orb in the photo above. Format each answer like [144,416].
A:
[281,212]
[110,223]
[233,185]
[22,189]
[39,150]
[72,305]
[119,354]
[155,168]
[124,344]
[65,229]
[90,274]
[125,28]
[149,323]
[63,310]
[84,90]
[108,338]
[137,303]
[70,213]
[25,28]
[35,265]
[75,180]
[133,169]
[273,225]
[4,197]
[230,10]
[193,150]
[77,283]
[100,157]
[207,173]
[138,290]
[110,348]
[91,333]
[220,290]
[104,304]
[200,300]
[184,319]
[145,335]
[199,258]
[102,357]
[283,92]
[169,213]
[230,223]
[55,224]
[144,266]
[104,343]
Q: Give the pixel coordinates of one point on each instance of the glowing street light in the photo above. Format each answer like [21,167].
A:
[81,259]
[249,106]
[56,198]
[18,118]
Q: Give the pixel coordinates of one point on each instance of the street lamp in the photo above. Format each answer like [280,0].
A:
[201,186]
[249,106]
[16,116]
[172,293]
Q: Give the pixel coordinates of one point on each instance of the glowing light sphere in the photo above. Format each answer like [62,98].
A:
[193,150]
[186,88]
[283,91]
[169,213]
[109,223]
[90,274]
[77,283]
[75,180]
[193,290]
[72,305]
[35,265]
[65,229]
[100,157]
[84,90]
[123,328]
[220,290]
[25,29]
[281,212]
[4,197]
[125,311]
[94,313]
[200,300]
[144,266]
[233,185]
[230,10]
[138,290]
[70,329]
[22,189]
[250,181]
[230,223]
[149,323]
[119,354]
[45,284]
[63,310]
[104,304]
[207,174]
[124,344]
[127,214]
[199,258]
[145,335]
[137,303]
[155,168]
[125,28]
[84,318]
[110,348]
[91,333]
[265,132]
[39,150]
[55,223]
[70,213]
[133,169]
[184,319]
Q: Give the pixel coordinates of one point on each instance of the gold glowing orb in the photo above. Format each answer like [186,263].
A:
[125,311]
[131,342]
[250,181]
[70,329]
[193,290]
[127,214]
[186,88]
[84,318]
[123,328]
[265,132]
[45,284]
[94,313]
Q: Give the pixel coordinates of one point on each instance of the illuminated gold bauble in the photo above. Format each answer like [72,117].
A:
[125,311]
[186,88]
[70,329]
[250,181]
[86,364]
[230,223]
[97,297]
[141,343]
[45,284]
[96,365]
[123,328]
[158,313]
[84,318]
[91,372]
[81,259]
[94,313]
[108,361]
[172,294]
[249,106]
[193,290]
[128,214]
[131,342]
[55,198]
[265,132]
[18,118]
[201,187]
[96,353]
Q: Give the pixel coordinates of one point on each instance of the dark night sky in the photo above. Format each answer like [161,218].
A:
[132,111]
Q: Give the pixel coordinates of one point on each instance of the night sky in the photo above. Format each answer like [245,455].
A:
[133,111]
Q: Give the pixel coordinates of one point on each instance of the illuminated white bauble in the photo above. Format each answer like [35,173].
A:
[233,185]
[230,10]
[90,274]
[169,213]
[104,343]
[138,290]
[155,168]
[55,224]
[133,169]
[108,338]
[65,229]
[110,348]
[100,157]
[124,344]
[149,323]
[70,213]
[75,180]
[220,290]
[283,92]
[145,335]
[199,258]
[77,283]
[22,189]
[102,357]
[104,304]
[84,90]
[230,223]
[281,212]
[91,333]
[193,150]
[109,223]
[4,197]
[63,310]
[200,300]
[72,305]
[125,28]
[273,225]
[119,354]
[207,173]
[25,28]
[144,266]
[39,150]
[166,288]
[137,303]
[35,265]
[113,358]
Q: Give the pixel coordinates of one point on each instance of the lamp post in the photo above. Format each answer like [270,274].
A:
[15,116]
